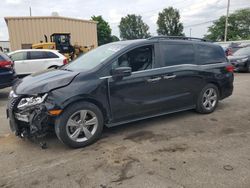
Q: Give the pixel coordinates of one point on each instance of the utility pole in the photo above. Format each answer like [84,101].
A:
[190,32]
[225,34]
[30,12]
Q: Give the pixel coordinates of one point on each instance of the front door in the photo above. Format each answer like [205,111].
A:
[20,63]
[137,95]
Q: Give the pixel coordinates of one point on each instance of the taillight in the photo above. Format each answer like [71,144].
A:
[6,64]
[65,61]
[230,68]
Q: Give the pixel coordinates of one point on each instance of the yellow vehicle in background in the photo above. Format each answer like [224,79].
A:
[61,42]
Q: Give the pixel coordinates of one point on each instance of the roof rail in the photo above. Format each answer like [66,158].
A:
[176,38]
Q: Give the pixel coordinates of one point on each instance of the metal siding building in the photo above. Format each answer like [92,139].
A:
[25,31]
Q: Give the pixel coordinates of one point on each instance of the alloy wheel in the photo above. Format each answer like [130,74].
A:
[209,99]
[82,125]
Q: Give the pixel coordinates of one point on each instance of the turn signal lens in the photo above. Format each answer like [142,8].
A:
[55,112]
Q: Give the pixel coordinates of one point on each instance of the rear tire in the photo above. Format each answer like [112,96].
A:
[208,99]
[80,124]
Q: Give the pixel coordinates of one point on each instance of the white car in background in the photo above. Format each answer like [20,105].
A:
[29,61]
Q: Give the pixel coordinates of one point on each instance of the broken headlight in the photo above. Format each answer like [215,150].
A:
[31,101]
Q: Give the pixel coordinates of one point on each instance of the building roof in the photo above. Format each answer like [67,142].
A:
[46,17]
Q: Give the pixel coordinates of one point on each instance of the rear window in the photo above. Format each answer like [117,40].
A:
[4,57]
[177,54]
[210,54]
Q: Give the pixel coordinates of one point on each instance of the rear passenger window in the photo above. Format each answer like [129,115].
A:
[177,54]
[210,54]
[42,55]
[36,55]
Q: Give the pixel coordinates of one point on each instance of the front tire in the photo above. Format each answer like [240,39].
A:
[208,99]
[80,124]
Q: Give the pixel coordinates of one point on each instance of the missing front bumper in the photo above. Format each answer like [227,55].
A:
[22,117]
[31,122]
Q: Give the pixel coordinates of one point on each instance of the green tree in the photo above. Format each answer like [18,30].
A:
[169,22]
[114,38]
[103,30]
[238,27]
[133,27]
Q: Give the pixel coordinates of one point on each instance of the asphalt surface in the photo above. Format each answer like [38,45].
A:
[180,150]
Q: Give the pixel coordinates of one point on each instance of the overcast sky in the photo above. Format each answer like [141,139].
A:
[193,12]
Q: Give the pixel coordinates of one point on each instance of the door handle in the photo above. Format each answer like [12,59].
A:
[154,79]
[169,77]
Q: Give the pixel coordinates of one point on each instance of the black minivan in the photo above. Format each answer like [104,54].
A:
[118,83]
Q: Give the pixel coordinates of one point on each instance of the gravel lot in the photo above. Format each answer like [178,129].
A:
[180,150]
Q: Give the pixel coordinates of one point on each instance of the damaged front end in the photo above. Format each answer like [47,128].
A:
[29,115]
[32,106]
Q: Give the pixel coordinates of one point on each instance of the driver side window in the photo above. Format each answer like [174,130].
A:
[19,56]
[138,59]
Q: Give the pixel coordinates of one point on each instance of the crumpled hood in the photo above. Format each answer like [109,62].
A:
[44,82]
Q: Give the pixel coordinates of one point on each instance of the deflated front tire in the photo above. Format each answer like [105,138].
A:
[79,125]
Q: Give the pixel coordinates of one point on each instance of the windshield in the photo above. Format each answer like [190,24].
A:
[243,51]
[94,57]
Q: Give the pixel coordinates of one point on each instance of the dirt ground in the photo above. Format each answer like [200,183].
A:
[180,150]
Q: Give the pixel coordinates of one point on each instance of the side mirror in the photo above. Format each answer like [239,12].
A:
[121,72]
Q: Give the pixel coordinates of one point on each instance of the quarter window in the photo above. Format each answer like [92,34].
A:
[177,54]
[49,55]
[210,54]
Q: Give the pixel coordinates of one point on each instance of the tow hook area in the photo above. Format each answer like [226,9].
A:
[38,121]
[34,139]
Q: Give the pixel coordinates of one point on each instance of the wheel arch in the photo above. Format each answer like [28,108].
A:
[104,111]
[217,85]
[52,66]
